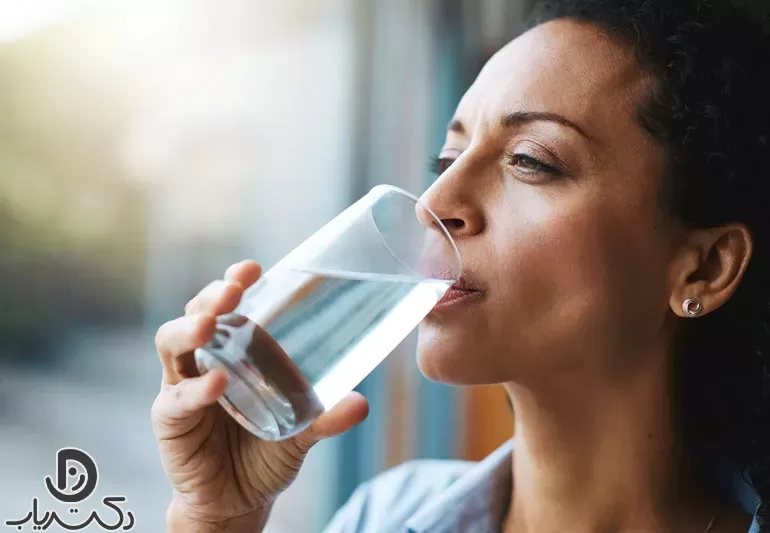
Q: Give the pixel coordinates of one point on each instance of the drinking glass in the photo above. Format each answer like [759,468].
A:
[318,322]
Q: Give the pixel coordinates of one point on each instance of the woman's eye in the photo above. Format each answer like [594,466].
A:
[439,165]
[529,165]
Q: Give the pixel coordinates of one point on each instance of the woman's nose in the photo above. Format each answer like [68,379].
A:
[455,210]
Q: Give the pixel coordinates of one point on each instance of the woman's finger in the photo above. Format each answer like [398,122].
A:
[177,339]
[180,407]
[222,296]
[351,411]
[218,297]
[245,273]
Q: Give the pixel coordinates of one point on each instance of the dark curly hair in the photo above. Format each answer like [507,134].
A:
[710,110]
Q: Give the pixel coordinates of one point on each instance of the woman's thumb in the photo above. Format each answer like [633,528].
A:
[349,412]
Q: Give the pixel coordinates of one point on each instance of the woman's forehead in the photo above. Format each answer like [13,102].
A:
[562,67]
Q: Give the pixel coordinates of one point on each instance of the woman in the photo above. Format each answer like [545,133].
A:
[605,179]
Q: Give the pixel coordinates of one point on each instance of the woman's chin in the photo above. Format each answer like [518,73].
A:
[440,359]
[436,369]
[453,357]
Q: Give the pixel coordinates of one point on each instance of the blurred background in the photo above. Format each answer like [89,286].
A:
[145,145]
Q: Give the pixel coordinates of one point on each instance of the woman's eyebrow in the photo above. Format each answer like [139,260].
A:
[520,118]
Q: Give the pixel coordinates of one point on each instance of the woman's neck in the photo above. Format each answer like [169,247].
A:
[596,458]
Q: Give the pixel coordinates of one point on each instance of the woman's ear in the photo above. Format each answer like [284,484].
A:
[709,267]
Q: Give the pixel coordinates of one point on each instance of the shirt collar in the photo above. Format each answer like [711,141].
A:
[474,503]
[477,501]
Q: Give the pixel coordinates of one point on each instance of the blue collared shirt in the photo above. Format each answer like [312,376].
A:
[447,497]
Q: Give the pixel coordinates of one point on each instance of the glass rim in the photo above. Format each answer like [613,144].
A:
[436,219]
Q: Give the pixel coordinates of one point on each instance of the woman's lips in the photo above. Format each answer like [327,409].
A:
[460,292]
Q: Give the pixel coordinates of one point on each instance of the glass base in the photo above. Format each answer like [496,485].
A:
[256,403]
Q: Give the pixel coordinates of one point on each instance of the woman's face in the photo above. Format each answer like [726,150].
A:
[552,191]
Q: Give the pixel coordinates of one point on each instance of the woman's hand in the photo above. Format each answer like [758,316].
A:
[224,478]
